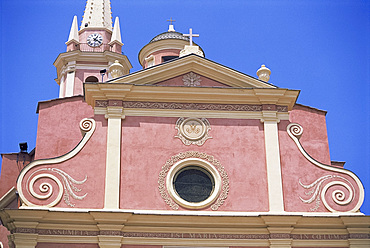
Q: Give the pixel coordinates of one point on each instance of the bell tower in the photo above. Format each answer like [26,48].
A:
[91,50]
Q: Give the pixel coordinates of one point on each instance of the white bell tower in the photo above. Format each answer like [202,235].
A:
[90,50]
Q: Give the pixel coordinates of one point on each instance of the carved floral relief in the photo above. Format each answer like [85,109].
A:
[191,79]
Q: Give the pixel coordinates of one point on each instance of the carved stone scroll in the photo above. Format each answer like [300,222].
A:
[342,191]
[51,184]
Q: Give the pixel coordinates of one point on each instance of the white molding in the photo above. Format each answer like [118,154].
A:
[62,87]
[192,213]
[69,86]
[113,158]
[193,113]
[274,179]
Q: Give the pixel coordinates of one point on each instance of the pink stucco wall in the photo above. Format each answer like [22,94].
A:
[81,76]
[58,129]
[148,142]
[4,236]
[296,168]
[315,136]
[11,165]
[59,133]
[159,54]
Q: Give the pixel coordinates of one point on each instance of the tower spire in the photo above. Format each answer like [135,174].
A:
[97,15]
[73,34]
[116,35]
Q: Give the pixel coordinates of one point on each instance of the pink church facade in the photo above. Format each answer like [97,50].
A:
[184,153]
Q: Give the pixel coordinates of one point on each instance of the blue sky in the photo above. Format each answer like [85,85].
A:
[319,47]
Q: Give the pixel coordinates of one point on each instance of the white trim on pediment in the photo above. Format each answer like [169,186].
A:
[196,64]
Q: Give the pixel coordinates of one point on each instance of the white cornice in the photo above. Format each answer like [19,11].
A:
[130,92]
[186,227]
[77,55]
[199,65]
[160,45]
[193,113]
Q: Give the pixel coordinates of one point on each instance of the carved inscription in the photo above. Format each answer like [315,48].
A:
[61,232]
[67,232]
[320,236]
[195,235]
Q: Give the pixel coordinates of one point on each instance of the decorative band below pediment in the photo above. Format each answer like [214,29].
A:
[190,106]
[185,235]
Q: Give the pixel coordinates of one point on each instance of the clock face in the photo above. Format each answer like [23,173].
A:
[94,40]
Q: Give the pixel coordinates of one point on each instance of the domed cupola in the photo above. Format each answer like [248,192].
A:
[164,47]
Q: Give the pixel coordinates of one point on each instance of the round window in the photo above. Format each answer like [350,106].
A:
[193,184]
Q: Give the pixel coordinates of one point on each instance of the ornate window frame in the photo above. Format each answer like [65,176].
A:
[199,163]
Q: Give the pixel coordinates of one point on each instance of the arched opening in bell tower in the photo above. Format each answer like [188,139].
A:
[92,79]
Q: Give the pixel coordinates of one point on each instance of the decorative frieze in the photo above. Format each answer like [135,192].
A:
[190,106]
[188,235]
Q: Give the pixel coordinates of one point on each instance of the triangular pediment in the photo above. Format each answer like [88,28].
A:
[193,80]
[191,70]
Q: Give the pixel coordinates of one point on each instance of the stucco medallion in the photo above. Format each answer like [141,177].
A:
[193,130]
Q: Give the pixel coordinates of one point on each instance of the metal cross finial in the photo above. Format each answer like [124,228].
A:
[191,35]
[170,20]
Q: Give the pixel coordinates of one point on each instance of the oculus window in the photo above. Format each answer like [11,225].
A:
[193,184]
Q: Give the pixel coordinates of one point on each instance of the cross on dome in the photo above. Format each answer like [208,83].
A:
[170,27]
[171,20]
[191,35]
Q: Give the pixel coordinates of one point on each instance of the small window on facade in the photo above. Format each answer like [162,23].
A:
[92,79]
[168,58]
[193,184]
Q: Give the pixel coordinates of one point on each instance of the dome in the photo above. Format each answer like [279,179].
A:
[169,35]
[163,47]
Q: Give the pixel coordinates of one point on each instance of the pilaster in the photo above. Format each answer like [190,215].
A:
[70,79]
[110,236]
[62,87]
[280,236]
[106,241]
[275,186]
[113,159]
[280,243]
[359,232]
[359,243]
[24,240]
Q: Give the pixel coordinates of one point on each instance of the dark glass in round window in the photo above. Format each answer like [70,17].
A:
[193,184]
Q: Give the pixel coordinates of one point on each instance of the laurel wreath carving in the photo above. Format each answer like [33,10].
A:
[193,154]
